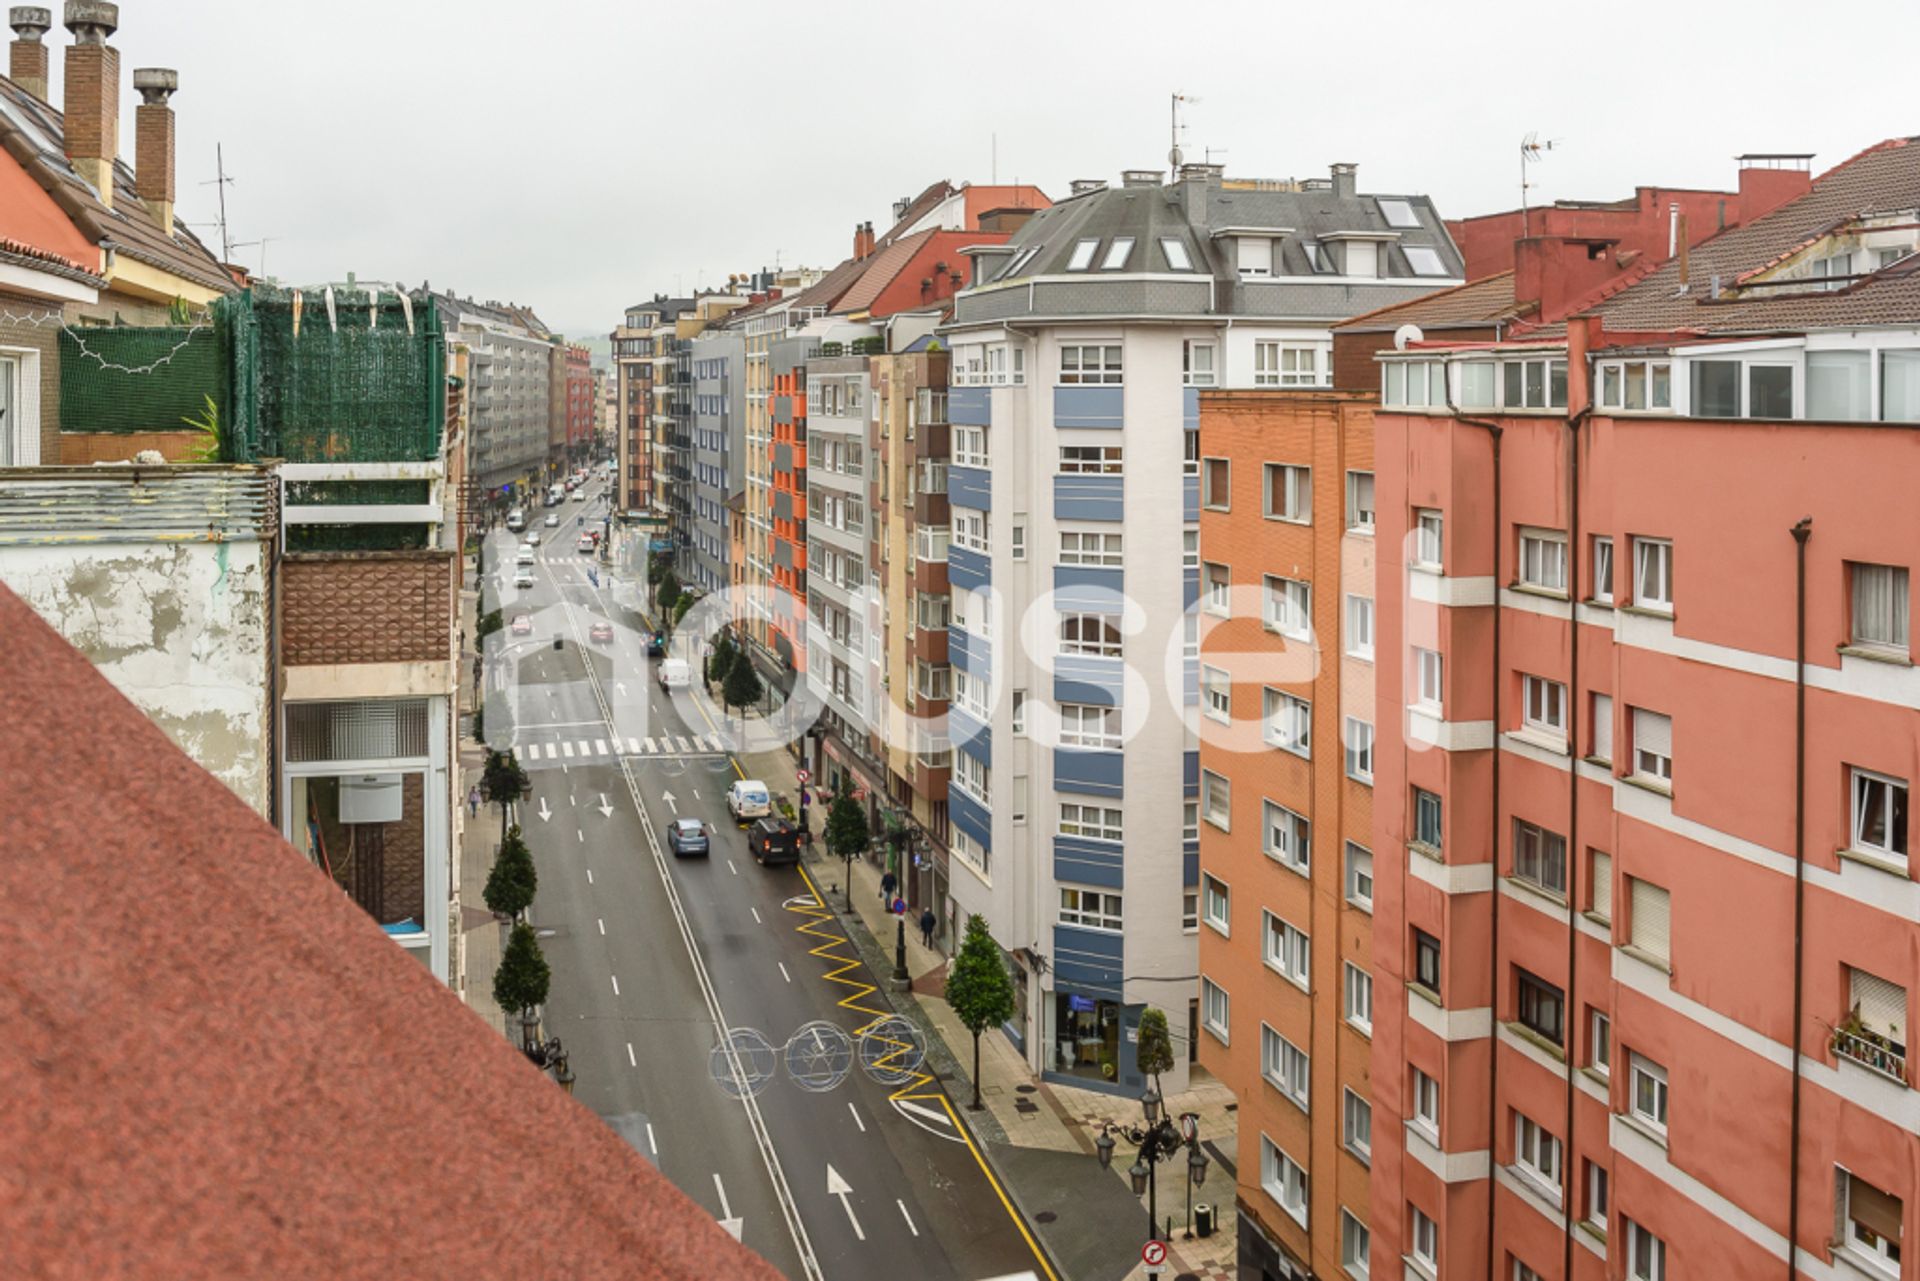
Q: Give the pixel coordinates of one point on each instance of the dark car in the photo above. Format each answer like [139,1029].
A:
[601,632]
[657,645]
[688,836]
[773,842]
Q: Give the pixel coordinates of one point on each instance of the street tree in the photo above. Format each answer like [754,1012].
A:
[681,606]
[667,591]
[720,659]
[979,990]
[512,882]
[1156,1045]
[503,782]
[523,978]
[742,687]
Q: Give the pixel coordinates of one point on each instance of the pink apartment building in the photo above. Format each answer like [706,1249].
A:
[1646,929]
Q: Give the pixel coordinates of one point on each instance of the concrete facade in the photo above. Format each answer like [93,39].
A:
[718,425]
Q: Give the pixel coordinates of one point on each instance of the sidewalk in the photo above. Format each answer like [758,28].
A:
[477,943]
[1038,1135]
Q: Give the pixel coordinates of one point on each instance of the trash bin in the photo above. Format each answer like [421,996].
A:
[1203,1218]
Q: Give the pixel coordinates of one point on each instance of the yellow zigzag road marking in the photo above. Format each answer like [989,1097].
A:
[835,947]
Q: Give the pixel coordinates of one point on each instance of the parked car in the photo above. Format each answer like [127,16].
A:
[516,520]
[601,632]
[748,798]
[688,836]
[553,520]
[657,645]
[523,624]
[523,576]
[675,674]
[773,842]
[586,543]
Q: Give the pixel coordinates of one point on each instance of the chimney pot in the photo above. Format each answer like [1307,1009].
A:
[156,85]
[92,21]
[27,64]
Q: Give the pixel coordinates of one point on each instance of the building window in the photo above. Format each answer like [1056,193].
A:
[1288,950]
[1190,911]
[1359,876]
[972,776]
[1597,1197]
[1077,548]
[1018,541]
[1600,884]
[1360,502]
[1648,924]
[1196,358]
[1356,1246]
[1359,998]
[1189,452]
[1359,742]
[1090,635]
[1286,1066]
[1602,570]
[1092,822]
[1216,902]
[1283,1180]
[1880,607]
[1427,827]
[1216,476]
[970,447]
[1599,1043]
[1871,1033]
[1285,836]
[1289,493]
[1190,823]
[1426,538]
[1543,560]
[1356,1125]
[1653,574]
[1090,364]
[1636,386]
[1216,692]
[1090,909]
[1873,1222]
[1090,460]
[1544,706]
[1287,722]
[1085,725]
[1083,254]
[970,530]
[1424,260]
[1287,607]
[1360,627]
[1216,796]
[1253,255]
[1119,249]
[1534,384]
[1219,589]
[1600,729]
[1423,1241]
[1536,1155]
[1215,1008]
[1429,683]
[1426,961]
[1879,815]
[1426,1104]
[1189,549]
[1277,364]
[1652,747]
[1175,251]
[1646,1254]
[1541,1006]
[1647,1093]
[1540,857]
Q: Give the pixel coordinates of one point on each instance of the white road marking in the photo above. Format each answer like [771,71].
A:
[837,1186]
[783,972]
[856,1116]
[581,837]
[649,745]
[570,799]
[908,1217]
[651,1145]
[634,1062]
[684,749]
[696,793]
[582,745]
[616,983]
[601,922]
[756,915]
[589,876]
[944,1128]
[732,868]
[735,1227]
[633,745]
[599,747]
[927,1112]
[567,748]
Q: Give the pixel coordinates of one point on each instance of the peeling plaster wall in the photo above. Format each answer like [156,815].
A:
[181,629]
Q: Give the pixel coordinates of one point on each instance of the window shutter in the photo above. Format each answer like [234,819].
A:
[1650,927]
[1603,884]
[1872,1208]
[1603,727]
[1254,253]
[1882,1005]
[1652,732]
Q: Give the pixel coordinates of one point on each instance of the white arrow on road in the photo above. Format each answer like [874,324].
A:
[606,810]
[668,798]
[621,686]
[837,1186]
[727,1220]
[545,813]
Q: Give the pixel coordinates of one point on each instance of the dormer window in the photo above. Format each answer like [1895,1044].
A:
[1082,255]
[1398,213]
[1318,256]
[1253,255]
[1833,269]
[1118,252]
[1019,263]
[1425,260]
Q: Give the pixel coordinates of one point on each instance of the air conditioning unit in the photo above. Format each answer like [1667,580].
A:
[370,798]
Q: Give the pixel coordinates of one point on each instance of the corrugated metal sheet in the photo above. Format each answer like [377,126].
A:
[46,506]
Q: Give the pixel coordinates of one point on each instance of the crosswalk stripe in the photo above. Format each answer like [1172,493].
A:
[582,745]
[649,745]
[633,745]
[599,747]
[684,749]
[567,748]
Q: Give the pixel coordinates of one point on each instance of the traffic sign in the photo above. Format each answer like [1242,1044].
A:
[1154,1254]
[802,776]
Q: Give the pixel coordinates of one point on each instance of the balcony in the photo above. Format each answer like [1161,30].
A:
[1873,1051]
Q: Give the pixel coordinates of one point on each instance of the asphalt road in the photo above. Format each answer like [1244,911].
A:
[850,1181]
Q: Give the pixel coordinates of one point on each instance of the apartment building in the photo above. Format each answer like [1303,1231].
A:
[717,427]
[512,368]
[1644,917]
[635,366]
[675,409]
[1077,364]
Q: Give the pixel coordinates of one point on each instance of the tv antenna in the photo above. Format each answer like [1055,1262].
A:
[1532,152]
[223,181]
[263,242]
[1174,154]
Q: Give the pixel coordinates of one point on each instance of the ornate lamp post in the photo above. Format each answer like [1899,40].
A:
[1161,1139]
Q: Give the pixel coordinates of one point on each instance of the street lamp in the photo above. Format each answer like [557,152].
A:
[1161,1139]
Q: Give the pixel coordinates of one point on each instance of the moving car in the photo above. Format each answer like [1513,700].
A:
[586,543]
[533,538]
[601,632]
[657,645]
[687,836]
[773,842]
[516,520]
[523,624]
[748,798]
[675,674]
[525,555]
[553,520]
[523,576]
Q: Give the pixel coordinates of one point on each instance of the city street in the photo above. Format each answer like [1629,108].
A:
[651,954]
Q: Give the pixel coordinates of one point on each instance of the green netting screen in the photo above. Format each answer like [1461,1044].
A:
[133,379]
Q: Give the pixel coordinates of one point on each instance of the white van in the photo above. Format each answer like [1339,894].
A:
[749,799]
[554,495]
[516,520]
[675,674]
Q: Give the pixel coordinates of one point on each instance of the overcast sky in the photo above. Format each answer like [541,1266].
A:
[579,155]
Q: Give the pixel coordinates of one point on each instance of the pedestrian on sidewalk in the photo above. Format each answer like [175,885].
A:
[927,922]
[887,886]
[473,802]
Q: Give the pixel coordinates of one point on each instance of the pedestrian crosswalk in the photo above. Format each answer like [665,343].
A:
[588,749]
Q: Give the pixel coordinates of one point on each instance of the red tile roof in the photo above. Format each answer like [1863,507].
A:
[1487,301]
[219,1066]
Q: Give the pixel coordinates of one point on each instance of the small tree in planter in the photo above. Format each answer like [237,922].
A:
[503,783]
[1156,1046]
[512,882]
[979,990]
[523,978]
[742,687]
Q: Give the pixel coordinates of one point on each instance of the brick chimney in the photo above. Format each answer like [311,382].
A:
[93,93]
[153,142]
[1556,271]
[862,240]
[26,56]
[1769,181]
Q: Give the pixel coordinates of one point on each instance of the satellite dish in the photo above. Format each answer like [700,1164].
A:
[1405,335]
